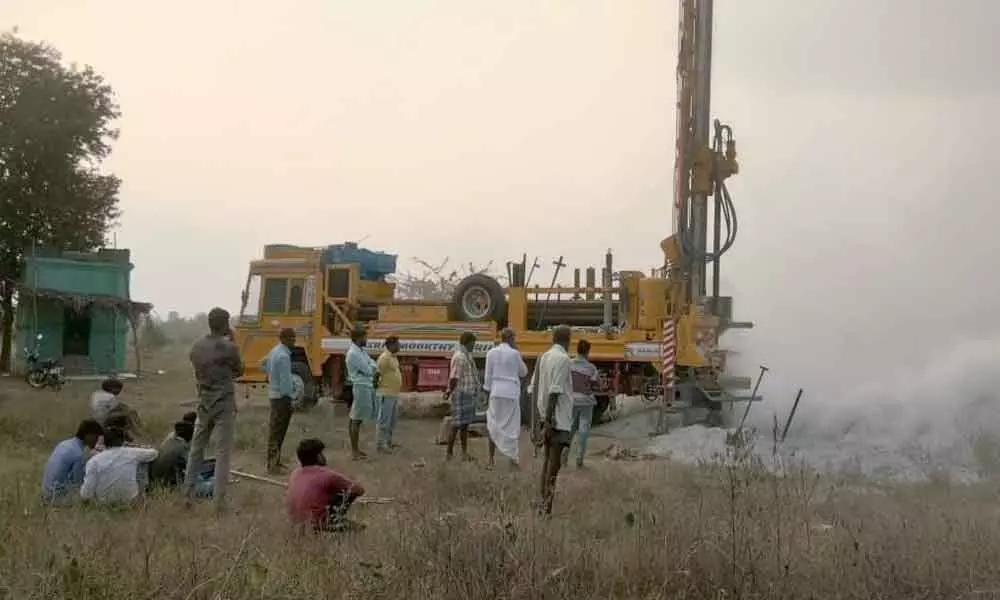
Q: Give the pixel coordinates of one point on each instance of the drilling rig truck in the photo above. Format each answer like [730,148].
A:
[653,333]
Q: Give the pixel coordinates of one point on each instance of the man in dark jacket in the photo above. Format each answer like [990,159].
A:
[170,466]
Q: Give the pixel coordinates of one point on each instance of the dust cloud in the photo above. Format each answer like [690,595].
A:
[940,419]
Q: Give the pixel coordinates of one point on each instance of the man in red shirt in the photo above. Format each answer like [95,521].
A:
[318,497]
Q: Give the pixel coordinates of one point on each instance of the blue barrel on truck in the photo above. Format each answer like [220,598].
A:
[374,266]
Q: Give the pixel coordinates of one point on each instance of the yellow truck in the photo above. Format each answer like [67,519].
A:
[324,293]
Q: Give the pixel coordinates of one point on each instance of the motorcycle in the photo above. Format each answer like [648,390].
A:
[42,373]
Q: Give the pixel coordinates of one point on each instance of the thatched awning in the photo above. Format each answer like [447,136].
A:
[79,302]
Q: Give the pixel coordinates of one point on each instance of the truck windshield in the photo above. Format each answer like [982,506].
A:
[250,310]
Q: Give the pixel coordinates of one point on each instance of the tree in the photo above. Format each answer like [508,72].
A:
[184,330]
[151,335]
[56,127]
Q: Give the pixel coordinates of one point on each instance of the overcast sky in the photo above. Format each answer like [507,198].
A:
[482,129]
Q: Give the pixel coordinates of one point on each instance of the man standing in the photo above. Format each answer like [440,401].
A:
[502,380]
[390,383]
[361,372]
[216,361]
[110,476]
[318,497]
[278,365]
[463,389]
[553,382]
[585,380]
[65,468]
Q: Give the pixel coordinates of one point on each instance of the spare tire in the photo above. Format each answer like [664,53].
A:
[479,297]
[307,398]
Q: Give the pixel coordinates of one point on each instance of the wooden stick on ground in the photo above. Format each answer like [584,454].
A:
[253,477]
[277,483]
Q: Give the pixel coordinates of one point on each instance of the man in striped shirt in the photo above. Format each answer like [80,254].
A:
[463,390]
[552,382]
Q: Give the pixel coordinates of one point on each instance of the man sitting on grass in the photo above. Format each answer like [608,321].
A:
[168,470]
[109,410]
[65,468]
[319,497]
[189,417]
[110,477]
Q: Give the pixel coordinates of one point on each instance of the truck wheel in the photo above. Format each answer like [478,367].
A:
[308,398]
[479,297]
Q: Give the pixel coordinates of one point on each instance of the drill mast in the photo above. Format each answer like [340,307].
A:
[703,160]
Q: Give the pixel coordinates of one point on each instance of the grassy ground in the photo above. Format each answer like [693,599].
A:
[621,529]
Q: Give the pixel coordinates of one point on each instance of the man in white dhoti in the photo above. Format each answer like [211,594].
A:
[502,379]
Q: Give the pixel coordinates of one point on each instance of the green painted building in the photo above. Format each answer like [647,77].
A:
[80,304]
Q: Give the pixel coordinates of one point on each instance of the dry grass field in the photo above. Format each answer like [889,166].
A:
[621,529]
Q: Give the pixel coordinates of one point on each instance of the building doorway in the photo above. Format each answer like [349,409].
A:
[76,332]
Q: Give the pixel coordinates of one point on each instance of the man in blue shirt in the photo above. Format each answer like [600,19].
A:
[65,468]
[361,370]
[280,391]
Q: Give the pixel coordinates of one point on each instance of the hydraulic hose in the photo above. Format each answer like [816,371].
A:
[722,134]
